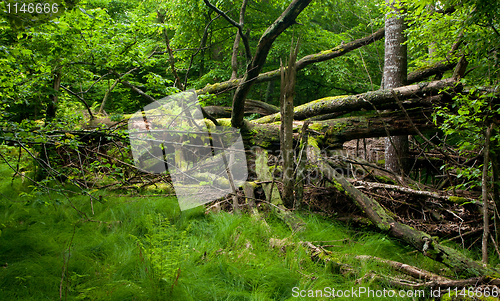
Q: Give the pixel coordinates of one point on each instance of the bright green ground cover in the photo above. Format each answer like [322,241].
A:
[219,256]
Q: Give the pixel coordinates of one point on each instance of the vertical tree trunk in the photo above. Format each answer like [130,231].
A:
[269,91]
[53,99]
[494,149]
[301,167]
[395,69]
[484,183]
[288,80]
[236,45]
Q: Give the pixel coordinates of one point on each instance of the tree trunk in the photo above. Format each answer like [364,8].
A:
[236,45]
[288,80]
[265,43]
[272,194]
[333,133]
[301,167]
[53,99]
[269,91]
[364,101]
[484,184]
[395,69]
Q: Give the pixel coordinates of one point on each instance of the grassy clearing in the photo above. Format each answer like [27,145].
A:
[146,249]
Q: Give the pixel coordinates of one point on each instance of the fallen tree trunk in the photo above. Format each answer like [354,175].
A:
[251,106]
[438,68]
[358,102]
[333,133]
[385,222]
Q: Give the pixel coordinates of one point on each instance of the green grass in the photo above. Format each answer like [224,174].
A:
[222,256]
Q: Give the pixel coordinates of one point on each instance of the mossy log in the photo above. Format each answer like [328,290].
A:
[385,222]
[364,101]
[333,133]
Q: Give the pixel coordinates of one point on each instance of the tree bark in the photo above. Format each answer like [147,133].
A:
[301,167]
[236,45]
[333,133]
[364,101]
[54,97]
[395,72]
[253,69]
[288,81]
[484,184]
[272,193]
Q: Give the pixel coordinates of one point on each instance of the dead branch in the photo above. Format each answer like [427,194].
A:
[435,195]
[301,64]
[235,24]
[265,43]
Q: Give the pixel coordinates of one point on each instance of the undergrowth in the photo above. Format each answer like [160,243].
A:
[145,248]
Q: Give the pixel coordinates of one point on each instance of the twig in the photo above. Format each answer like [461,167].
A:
[420,133]
[81,99]
[235,24]
[398,155]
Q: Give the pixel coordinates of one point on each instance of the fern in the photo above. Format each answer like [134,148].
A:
[163,247]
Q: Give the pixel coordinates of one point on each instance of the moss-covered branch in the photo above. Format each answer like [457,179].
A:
[358,102]
[301,64]
[337,131]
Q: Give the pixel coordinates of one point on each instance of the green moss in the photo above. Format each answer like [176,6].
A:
[312,142]
[457,199]
[316,126]
[209,124]
[384,179]
[278,168]
[337,127]
[338,186]
[224,121]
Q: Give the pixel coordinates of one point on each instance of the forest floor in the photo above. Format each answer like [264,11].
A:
[143,247]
